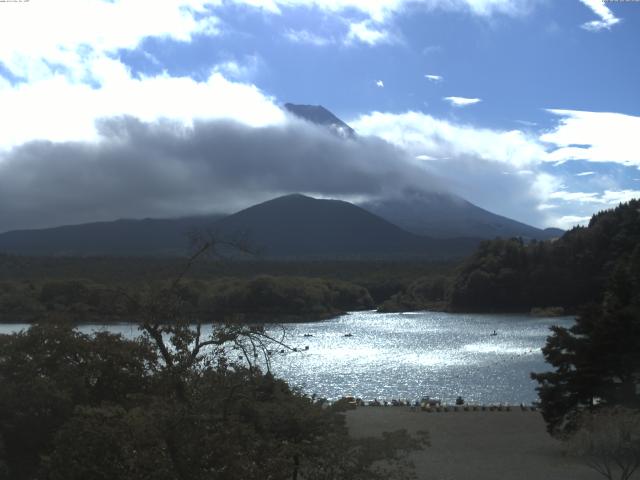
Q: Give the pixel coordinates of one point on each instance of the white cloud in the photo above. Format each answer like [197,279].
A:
[380,83]
[489,167]
[423,134]
[567,222]
[461,101]
[59,110]
[472,161]
[607,18]
[378,14]
[434,78]
[242,71]
[308,38]
[39,37]
[608,197]
[595,137]
[615,197]
[367,32]
[546,206]
[585,174]
[71,77]
[581,197]
[381,10]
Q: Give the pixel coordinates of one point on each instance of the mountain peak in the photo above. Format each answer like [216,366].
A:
[319,115]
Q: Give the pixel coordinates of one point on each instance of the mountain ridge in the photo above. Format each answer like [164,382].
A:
[434,214]
[445,215]
[290,226]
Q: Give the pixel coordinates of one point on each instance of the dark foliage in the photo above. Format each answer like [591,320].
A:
[511,275]
[78,407]
[597,361]
[263,298]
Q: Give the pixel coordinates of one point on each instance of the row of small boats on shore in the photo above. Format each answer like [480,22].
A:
[429,404]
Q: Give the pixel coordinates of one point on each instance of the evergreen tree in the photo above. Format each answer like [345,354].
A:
[597,361]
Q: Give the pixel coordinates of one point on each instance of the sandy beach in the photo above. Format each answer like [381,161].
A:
[477,445]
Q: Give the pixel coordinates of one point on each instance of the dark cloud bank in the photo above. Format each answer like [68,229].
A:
[165,169]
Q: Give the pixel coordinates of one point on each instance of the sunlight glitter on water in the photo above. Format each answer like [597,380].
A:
[408,355]
[421,353]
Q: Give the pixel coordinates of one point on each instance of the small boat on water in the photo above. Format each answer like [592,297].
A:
[348,335]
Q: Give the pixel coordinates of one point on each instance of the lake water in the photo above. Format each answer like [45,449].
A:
[410,355]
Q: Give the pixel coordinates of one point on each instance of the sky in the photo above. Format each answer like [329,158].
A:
[139,108]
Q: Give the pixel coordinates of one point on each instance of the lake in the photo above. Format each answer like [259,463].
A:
[410,355]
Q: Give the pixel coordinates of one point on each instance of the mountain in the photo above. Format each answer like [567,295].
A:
[120,237]
[301,226]
[293,226]
[444,215]
[440,215]
[321,116]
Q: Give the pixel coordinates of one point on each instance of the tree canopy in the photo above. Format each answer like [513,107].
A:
[171,404]
[596,361]
[509,274]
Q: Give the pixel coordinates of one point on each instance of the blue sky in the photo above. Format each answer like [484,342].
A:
[529,108]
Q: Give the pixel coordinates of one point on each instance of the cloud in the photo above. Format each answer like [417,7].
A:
[367,20]
[43,39]
[434,78]
[607,18]
[380,83]
[462,101]
[588,203]
[381,10]
[419,133]
[163,168]
[368,33]
[58,110]
[308,38]
[581,197]
[239,70]
[595,137]
[471,161]
[567,222]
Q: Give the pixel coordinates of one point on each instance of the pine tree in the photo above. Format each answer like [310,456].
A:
[597,361]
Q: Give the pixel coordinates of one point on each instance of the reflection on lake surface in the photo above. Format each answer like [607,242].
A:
[410,355]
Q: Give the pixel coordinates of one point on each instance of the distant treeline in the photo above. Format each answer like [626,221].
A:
[511,275]
[112,288]
[262,298]
[502,275]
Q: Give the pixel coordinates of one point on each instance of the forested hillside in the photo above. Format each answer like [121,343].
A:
[568,272]
[513,275]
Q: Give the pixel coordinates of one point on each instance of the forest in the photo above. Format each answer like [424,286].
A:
[511,275]
[503,275]
[104,289]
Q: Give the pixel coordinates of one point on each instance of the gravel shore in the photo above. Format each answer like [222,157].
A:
[477,445]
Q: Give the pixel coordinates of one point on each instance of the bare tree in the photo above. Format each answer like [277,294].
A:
[608,441]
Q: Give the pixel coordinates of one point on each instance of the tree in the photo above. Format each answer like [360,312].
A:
[609,442]
[597,361]
[172,404]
